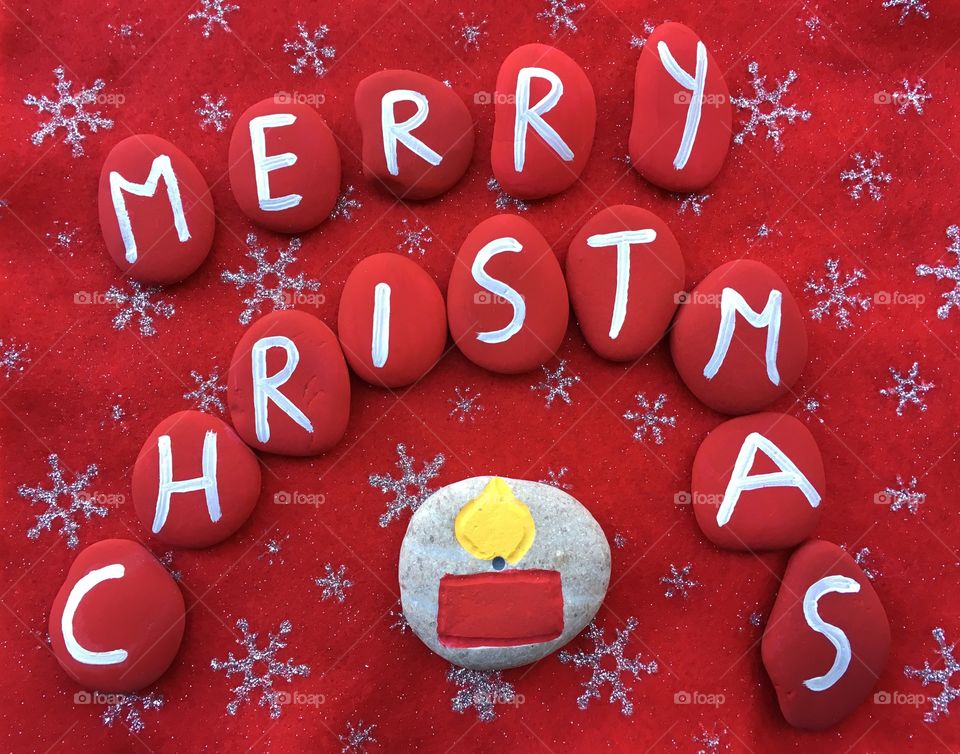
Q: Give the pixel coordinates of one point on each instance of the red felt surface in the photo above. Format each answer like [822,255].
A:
[361,668]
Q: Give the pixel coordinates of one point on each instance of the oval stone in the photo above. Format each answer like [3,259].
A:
[417,133]
[392,321]
[284,165]
[507,303]
[545,117]
[758,483]
[496,572]
[156,212]
[117,622]
[626,275]
[827,640]
[194,481]
[681,112]
[288,386]
[739,340]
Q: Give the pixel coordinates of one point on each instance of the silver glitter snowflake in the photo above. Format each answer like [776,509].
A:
[907,7]
[942,272]
[862,558]
[284,286]
[766,108]
[309,51]
[650,421]
[503,199]
[213,13]
[555,478]
[13,357]
[206,395]
[413,240]
[711,742]
[410,489]
[69,112]
[260,668]
[866,175]
[346,205]
[166,560]
[556,383]
[909,389]
[465,404]
[480,690]
[905,496]
[638,41]
[619,541]
[64,236]
[127,31]
[764,231]
[399,622]
[138,304]
[559,14]
[912,95]
[357,737]
[64,502]
[601,672]
[838,296]
[334,584]
[273,549]
[678,582]
[117,413]
[214,112]
[692,202]
[127,707]
[470,31]
[939,675]
[811,22]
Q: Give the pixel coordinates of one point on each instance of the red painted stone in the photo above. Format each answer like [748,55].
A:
[660,111]
[766,518]
[318,387]
[793,652]
[314,176]
[573,118]
[654,271]
[742,384]
[533,282]
[158,253]
[415,332]
[133,606]
[444,135]
[186,518]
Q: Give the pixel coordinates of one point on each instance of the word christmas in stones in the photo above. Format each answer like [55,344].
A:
[493,572]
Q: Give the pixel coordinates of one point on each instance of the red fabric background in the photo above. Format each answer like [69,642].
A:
[365,671]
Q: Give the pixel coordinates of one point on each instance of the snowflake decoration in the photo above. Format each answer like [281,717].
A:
[309,51]
[862,558]
[480,690]
[907,7]
[214,112]
[413,240]
[764,231]
[942,676]
[909,389]
[556,384]
[811,22]
[678,582]
[127,31]
[13,357]
[766,109]
[334,584]
[78,502]
[601,673]
[272,549]
[64,236]
[213,13]
[711,742]
[912,95]
[166,560]
[866,175]
[205,396]
[905,495]
[117,413]
[555,478]
[650,420]
[692,202]
[346,205]
[401,486]
[263,660]
[285,286]
[128,707]
[560,14]
[465,405]
[470,31]
[619,541]
[357,737]
[638,42]
[503,199]
[68,112]
[838,297]
[399,623]
[812,405]
[755,619]
[138,304]
[942,272]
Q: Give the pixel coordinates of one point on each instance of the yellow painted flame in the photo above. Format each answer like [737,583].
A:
[495,523]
